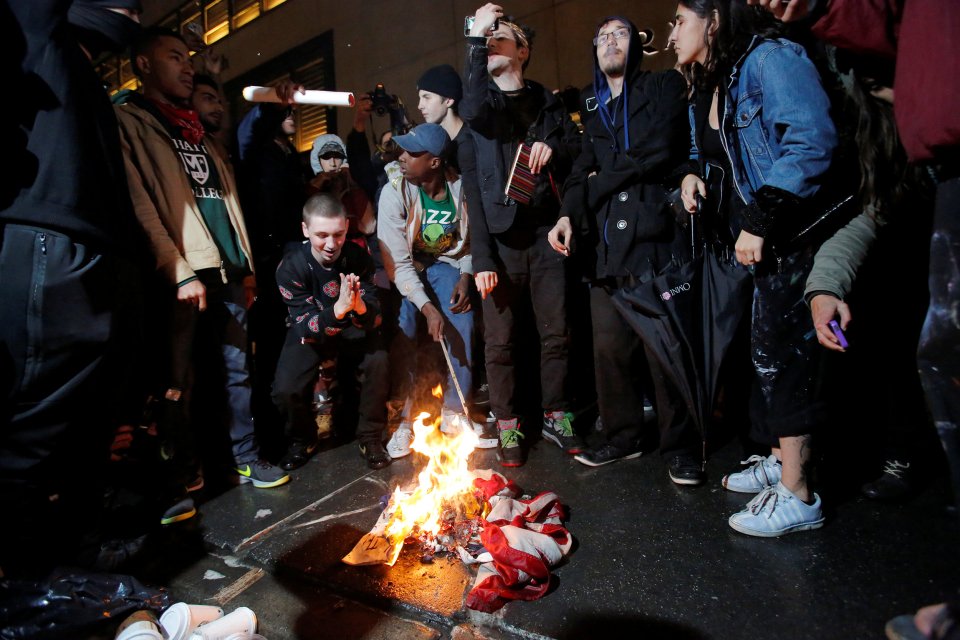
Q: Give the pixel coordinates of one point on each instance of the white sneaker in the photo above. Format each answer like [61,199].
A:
[763,473]
[399,444]
[451,422]
[776,511]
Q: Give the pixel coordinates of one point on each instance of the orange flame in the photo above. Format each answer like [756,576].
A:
[443,484]
[437,391]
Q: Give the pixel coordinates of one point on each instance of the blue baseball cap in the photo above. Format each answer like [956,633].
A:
[424,137]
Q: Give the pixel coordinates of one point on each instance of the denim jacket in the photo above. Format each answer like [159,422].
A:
[776,123]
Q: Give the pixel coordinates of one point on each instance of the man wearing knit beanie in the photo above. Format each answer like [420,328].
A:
[440,90]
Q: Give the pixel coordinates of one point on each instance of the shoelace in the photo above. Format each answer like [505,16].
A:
[510,437]
[261,464]
[896,468]
[759,502]
[563,422]
[758,464]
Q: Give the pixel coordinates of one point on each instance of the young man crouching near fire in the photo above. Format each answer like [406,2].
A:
[327,284]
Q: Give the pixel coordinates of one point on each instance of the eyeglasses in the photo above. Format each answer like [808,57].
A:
[619,34]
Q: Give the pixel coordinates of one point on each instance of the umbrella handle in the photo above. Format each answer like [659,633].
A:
[694,224]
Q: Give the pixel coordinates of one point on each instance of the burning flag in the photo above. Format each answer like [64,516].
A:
[478,515]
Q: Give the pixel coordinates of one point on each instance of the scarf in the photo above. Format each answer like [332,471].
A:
[187,120]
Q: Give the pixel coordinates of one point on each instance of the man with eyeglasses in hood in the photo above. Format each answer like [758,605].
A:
[614,203]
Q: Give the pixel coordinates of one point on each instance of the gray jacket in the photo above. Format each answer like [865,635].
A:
[399,219]
[836,263]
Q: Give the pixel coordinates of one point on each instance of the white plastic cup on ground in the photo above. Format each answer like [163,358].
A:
[180,620]
[245,636]
[143,630]
[241,621]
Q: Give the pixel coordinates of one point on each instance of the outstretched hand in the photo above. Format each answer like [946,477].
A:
[540,154]
[434,321]
[486,281]
[784,10]
[823,309]
[460,299]
[287,89]
[561,236]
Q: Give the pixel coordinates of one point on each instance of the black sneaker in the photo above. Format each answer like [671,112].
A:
[686,470]
[893,484]
[262,474]
[509,449]
[481,397]
[182,509]
[298,454]
[558,429]
[376,455]
[605,454]
[196,484]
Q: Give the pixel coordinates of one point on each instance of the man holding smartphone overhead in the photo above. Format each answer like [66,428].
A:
[511,256]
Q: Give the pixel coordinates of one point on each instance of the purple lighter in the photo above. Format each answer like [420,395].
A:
[835,326]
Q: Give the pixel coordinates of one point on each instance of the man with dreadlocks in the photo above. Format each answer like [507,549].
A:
[614,202]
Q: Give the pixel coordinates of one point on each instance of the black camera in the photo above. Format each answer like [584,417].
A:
[383,103]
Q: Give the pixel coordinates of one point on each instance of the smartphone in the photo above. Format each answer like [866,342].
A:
[468,25]
[835,327]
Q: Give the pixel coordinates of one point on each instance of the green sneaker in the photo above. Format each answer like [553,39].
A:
[262,474]
[558,429]
[182,509]
[509,449]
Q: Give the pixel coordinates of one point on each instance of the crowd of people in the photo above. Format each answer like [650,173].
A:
[773,169]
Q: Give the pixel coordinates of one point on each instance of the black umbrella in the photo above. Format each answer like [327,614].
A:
[687,316]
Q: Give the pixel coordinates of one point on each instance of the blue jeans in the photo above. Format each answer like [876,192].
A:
[439,280]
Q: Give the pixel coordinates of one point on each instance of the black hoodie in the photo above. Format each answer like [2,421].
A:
[62,143]
[634,143]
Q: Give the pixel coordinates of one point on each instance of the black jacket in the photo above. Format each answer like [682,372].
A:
[621,212]
[61,140]
[310,291]
[489,114]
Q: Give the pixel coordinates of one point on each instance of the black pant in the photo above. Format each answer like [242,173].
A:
[620,359]
[939,351]
[787,399]
[528,266]
[297,372]
[58,380]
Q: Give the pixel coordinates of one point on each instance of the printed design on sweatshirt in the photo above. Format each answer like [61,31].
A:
[287,295]
[194,159]
[332,289]
[314,324]
[332,331]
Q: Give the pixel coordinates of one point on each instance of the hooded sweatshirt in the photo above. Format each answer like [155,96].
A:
[62,146]
[632,147]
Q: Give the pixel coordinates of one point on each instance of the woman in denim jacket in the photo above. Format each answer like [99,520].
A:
[763,140]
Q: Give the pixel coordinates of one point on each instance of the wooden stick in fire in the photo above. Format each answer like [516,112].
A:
[456,383]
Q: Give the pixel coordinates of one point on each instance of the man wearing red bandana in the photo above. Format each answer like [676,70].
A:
[185,197]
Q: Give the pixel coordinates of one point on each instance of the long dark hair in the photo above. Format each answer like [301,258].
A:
[738,23]
[887,180]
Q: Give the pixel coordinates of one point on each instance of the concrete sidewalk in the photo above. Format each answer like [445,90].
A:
[651,559]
